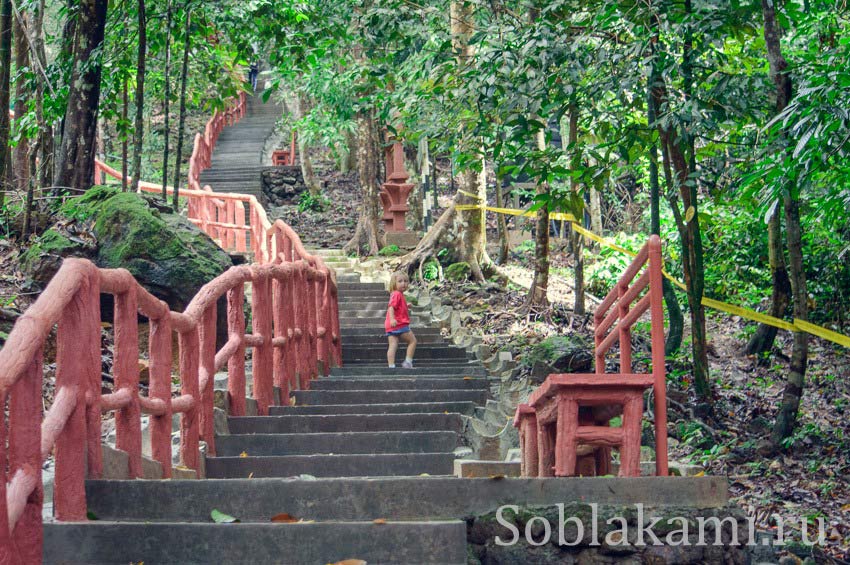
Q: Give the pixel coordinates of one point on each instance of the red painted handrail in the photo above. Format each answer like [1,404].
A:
[295,325]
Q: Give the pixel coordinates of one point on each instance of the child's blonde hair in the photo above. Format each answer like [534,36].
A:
[395,278]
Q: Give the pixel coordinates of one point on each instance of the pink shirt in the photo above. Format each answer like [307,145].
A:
[399,306]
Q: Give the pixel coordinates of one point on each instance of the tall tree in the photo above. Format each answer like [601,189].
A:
[184,78]
[166,100]
[21,165]
[5,88]
[76,157]
[793,392]
[139,128]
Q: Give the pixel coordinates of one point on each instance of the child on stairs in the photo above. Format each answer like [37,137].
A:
[397,324]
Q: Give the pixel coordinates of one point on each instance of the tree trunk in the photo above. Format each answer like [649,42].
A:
[595,207]
[538,293]
[21,165]
[763,339]
[304,150]
[66,53]
[5,91]
[674,311]
[786,419]
[687,222]
[368,167]
[181,126]
[125,136]
[139,128]
[501,221]
[471,224]
[576,239]
[166,100]
[45,130]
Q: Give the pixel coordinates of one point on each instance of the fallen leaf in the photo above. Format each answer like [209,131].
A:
[350,562]
[91,515]
[379,521]
[467,378]
[497,477]
[700,474]
[424,475]
[251,475]
[222,518]
[243,454]
[845,508]
[284,518]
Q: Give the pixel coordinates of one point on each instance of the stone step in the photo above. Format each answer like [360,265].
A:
[344,423]
[391,498]
[356,332]
[317,397]
[335,443]
[346,286]
[320,542]
[379,339]
[455,370]
[424,354]
[372,465]
[466,408]
[337,383]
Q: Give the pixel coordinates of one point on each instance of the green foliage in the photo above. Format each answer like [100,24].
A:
[458,271]
[308,201]
[604,269]
[390,251]
[431,270]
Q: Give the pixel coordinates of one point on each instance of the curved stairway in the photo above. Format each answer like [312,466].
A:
[237,161]
[364,458]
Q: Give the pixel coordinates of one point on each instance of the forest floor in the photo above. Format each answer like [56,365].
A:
[807,481]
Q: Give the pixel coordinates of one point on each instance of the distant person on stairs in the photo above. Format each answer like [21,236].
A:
[397,323]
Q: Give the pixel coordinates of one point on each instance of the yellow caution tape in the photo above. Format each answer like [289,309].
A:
[796,325]
[471,195]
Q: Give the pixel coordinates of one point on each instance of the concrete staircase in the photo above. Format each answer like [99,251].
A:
[366,444]
[237,161]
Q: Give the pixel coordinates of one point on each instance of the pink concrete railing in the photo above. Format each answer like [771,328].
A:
[295,326]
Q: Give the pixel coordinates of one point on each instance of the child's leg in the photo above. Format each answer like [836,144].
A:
[410,339]
[391,350]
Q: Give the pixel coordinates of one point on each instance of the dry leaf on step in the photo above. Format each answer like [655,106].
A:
[284,518]
[379,521]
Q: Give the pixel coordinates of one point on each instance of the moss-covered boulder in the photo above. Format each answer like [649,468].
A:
[166,253]
[458,271]
[560,354]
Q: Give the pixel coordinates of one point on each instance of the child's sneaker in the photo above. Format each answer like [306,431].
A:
[407,365]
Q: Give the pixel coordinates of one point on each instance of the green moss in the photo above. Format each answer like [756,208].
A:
[389,251]
[458,271]
[50,244]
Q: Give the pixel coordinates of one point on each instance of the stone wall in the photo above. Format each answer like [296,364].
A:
[282,185]
[617,537]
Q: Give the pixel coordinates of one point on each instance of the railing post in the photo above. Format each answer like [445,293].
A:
[77,342]
[659,371]
[280,332]
[159,351]
[290,351]
[336,337]
[25,416]
[623,330]
[236,363]
[261,324]
[301,329]
[239,210]
[92,383]
[189,343]
[128,426]
[312,322]
[207,369]
[322,319]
